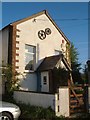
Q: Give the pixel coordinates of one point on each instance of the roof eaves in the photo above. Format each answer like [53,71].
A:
[5,27]
[51,68]
[40,64]
[57,27]
[66,63]
[38,14]
[28,18]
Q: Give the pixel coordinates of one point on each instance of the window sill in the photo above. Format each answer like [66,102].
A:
[29,71]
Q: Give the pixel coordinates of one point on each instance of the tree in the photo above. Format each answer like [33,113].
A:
[9,78]
[74,58]
[60,77]
[73,54]
[85,74]
[75,65]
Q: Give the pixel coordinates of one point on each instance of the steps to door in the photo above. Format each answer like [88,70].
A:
[76,100]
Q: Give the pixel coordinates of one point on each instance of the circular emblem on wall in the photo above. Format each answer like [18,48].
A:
[41,34]
[48,31]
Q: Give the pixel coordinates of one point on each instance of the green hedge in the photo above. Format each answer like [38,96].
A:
[37,113]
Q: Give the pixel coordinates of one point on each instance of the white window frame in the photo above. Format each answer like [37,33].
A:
[59,51]
[34,57]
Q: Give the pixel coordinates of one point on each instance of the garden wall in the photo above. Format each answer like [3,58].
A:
[59,101]
[38,99]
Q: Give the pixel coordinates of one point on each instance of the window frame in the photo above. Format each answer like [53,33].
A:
[32,53]
[44,80]
[58,51]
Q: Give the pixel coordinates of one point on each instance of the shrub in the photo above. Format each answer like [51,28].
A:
[10,79]
[37,113]
[29,112]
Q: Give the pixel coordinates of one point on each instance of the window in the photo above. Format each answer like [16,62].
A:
[45,80]
[29,57]
[57,52]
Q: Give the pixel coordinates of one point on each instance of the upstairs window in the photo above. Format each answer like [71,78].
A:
[29,57]
[57,52]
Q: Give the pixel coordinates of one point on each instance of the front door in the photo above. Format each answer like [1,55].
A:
[44,82]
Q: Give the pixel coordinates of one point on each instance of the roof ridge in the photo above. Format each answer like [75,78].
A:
[48,62]
[67,64]
[49,17]
[43,11]
[30,17]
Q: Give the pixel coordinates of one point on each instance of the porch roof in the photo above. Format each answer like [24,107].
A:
[50,62]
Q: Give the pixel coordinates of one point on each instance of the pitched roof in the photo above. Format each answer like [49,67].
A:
[66,63]
[24,19]
[28,18]
[50,62]
[38,14]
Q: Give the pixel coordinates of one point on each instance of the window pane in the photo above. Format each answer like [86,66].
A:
[29,48]
[45,80]
[57,52]
[29,57]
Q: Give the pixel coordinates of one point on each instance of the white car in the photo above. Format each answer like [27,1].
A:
[9,111]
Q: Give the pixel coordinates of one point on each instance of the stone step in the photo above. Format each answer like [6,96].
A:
[75,101]
[78,95]
[77,111]
[77,88]
[74,106]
